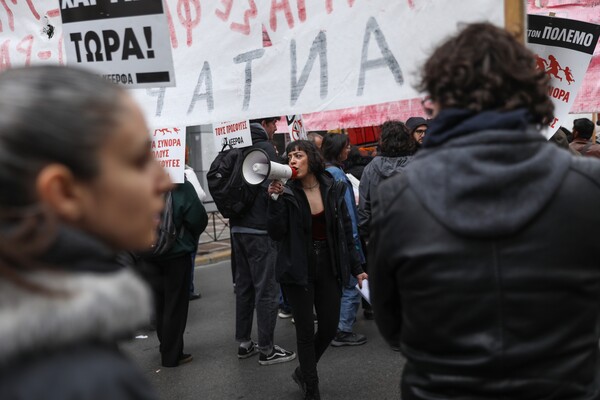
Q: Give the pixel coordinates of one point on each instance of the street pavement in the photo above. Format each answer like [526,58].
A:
[370,371]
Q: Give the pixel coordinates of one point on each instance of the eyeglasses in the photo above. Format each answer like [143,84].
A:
[420,131]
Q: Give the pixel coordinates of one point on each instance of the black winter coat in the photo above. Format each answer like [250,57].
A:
[289,222]
[64,347]
[484,269]
[256,216]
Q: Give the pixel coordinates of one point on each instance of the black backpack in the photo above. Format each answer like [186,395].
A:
[231,193]
[167,232]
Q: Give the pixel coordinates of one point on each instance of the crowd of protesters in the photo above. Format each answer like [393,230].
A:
[475,233]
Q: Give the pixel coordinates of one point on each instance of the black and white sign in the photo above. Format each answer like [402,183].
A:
[563,50]
[126,41]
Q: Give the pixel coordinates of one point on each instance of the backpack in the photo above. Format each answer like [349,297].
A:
[226,184]
[167,232]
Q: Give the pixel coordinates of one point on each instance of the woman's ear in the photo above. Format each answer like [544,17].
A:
[57,187]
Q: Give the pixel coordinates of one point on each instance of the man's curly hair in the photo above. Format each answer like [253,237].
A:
[485,68]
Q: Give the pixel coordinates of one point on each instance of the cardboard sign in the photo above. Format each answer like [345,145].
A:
[127,42]
[563,50]
[234,134]
[168,147]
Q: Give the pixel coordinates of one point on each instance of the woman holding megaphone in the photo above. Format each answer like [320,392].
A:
[316,256]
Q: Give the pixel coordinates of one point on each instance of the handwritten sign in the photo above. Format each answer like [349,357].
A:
[168,147]
[563,50]
[234,134]
[296,127]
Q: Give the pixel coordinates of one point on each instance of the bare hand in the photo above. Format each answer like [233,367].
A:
[275,187]
[361,278]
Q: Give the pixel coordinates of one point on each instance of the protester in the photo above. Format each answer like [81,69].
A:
[316,138]
[311,221]
[583,130]
[335,150]
[255,253]
[190,175]
[397,147]
[483,268]
[417,127]
[355,163]
[169,275]
[77,184]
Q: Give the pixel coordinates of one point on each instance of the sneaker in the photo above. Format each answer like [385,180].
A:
[278,355]
[185,358]
[195,296]
[284,314]
[247,352]
[348,339]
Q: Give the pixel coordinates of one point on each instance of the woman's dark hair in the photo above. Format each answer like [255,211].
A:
[396,140]
[485,68]
[316,164]
[333,145]
[48,114]
[51,114]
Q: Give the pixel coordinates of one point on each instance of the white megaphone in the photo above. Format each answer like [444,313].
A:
[257,168]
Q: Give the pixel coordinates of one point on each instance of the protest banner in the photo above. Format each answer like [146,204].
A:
[563,49]
[322,55]
[234,134]
[127,42]
[168,147]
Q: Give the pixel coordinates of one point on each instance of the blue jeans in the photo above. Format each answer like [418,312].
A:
[349,306]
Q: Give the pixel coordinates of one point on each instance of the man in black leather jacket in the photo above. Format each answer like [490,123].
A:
[490,284]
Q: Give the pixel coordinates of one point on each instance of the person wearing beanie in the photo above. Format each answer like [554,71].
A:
[417,126]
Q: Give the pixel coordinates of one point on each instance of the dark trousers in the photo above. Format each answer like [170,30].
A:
[255,288]
[170,282]
[322,291]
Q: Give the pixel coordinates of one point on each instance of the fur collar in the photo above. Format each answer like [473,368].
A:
[100,307]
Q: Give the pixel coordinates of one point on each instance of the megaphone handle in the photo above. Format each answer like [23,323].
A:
[275,196]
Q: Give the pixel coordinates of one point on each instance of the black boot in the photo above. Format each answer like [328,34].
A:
[312,390]
[299,379]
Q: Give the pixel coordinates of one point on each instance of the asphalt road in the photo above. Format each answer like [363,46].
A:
[370,371]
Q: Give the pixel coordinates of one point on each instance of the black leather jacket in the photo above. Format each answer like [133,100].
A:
[485,269]
[289,222]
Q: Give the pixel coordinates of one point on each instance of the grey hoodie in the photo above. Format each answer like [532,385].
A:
[379,169]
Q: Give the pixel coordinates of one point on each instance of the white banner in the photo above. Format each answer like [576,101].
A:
[234,134]
[168,147]
[563,50]
[321,54]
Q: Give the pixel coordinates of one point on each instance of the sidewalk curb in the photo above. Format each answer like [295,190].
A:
[214,257]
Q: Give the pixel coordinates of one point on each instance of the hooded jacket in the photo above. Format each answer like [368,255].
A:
[255,219]
[289,222]
[64,347]
[484,269]
[379,169]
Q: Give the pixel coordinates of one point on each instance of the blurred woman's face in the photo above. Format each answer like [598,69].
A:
[299,160]
[122,205]
[344,154]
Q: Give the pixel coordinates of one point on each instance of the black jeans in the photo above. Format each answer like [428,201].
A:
[170,281]
[322,291]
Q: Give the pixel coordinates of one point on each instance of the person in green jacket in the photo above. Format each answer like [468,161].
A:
[169,275]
